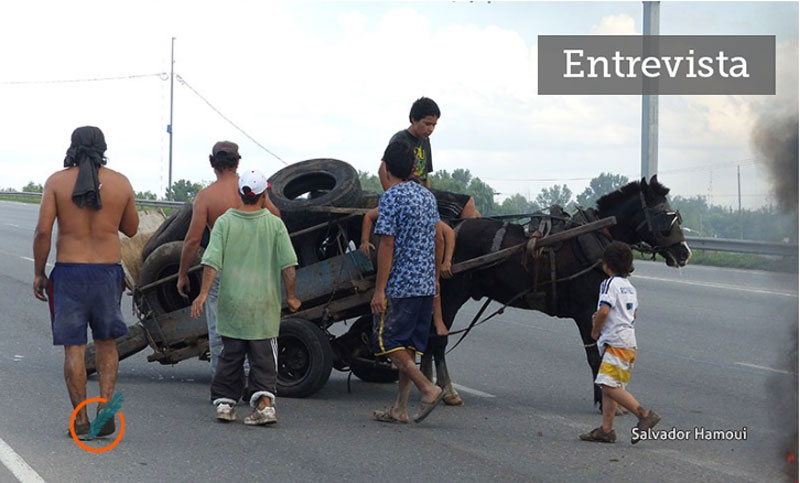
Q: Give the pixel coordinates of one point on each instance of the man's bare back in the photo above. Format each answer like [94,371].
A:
[86,235]
[218,197]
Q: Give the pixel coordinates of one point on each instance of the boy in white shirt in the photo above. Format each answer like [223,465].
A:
[612,327]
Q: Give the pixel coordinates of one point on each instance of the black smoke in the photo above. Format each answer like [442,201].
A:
[774,138]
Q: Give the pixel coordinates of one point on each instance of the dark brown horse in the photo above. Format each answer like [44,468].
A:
[562,280]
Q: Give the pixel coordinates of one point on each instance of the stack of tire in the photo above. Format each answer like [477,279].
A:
[328,182]
[316,182]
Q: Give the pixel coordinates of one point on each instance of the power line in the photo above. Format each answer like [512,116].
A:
[223,116]
[536,179]
[666,171]
[162,75]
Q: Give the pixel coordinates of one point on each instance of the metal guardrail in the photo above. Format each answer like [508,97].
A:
[743,246]
[695,243]
[153,203]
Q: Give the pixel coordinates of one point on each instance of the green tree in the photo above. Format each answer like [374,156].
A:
[764,224]
[692,211]
[147,195]
[183,190]
[442,180]
[517,204]
[461,181]
[32,188]
[599,186]
[369,182]
[483,194]
[555,195]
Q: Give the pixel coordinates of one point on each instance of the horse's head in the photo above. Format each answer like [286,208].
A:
[646,220]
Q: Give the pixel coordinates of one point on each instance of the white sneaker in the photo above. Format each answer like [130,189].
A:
[263,416]
[225,412]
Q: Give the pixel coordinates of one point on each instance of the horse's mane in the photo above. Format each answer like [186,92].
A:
[614,198]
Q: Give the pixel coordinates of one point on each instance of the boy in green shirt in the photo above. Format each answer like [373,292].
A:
[252,250]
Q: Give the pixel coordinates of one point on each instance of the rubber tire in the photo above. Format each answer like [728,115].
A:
[174,228]
[306,347]
[368,372]
[163,262]
[328,182]
[127,345]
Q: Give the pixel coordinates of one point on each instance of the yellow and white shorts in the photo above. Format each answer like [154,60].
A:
[615,369]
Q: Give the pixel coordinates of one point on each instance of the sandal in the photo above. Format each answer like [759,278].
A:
[81,432]
[597,435]
[386,416]
[426,408]
[108,428]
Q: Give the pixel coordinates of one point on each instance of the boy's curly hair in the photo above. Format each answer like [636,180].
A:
[619,258]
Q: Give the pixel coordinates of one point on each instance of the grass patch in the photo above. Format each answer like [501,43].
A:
[748,261]
[21,199]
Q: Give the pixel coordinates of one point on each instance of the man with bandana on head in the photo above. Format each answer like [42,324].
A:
[91,204]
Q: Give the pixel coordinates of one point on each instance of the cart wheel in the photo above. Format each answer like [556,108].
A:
[305,358]
[326,182]
[163,262]
[364,363]
[127,345]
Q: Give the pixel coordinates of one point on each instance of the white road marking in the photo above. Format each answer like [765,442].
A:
[779,371]
[474,392]
[560,420]
[718,285]
[32,260]
[11,224]
[17,466]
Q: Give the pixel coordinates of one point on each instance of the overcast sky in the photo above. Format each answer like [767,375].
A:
[336,79]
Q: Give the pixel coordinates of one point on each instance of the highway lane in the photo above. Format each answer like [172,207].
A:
[712,345]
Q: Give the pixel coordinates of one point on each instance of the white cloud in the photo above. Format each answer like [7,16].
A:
[311,85]
[621,24]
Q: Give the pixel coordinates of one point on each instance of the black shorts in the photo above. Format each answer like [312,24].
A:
[405,324]
[449,204]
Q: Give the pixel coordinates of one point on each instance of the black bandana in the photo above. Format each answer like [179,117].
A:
[87,153]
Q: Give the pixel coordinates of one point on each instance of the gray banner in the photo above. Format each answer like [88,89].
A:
[659,64]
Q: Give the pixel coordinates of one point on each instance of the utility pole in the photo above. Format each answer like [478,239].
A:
[169,127]
[649,101]
[741,222]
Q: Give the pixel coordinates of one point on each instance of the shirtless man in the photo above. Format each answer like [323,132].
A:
[209,205]
[91,204]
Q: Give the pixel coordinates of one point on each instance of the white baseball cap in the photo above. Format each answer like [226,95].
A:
[252,183]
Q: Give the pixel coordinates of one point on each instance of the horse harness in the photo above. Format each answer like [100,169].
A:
[589,251]
[587,248]
[659,221]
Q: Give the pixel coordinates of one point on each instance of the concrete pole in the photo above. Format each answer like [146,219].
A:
[739,182]
[650,101]
[169,128]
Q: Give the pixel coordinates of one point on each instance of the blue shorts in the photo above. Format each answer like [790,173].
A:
[405,324]
[81,293]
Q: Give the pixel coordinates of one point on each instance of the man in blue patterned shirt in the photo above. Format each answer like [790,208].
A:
[406,281]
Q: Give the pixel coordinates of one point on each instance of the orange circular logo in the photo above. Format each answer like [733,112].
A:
[89,448]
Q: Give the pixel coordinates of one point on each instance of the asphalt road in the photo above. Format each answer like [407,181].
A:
[718,350]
